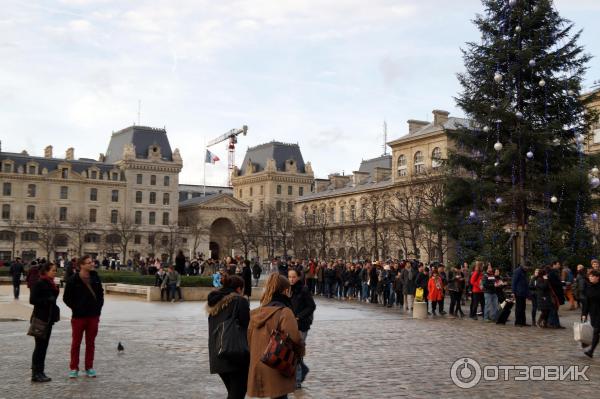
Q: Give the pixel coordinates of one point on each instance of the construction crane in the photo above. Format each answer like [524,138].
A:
[231,136]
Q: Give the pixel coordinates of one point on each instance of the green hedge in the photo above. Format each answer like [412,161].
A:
[137,279]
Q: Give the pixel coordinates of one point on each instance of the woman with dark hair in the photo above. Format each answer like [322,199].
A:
[274,313]
[247,276]
[543,295]
[43,298]
[303,306]
[591,307]
[223,304]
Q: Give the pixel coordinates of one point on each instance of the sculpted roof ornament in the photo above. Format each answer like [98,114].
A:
[129,151]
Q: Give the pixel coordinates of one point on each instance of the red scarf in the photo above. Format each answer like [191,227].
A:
[50,281]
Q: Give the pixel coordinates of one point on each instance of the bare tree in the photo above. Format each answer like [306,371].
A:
[48,229]
[125,229]
[195,228]
[171,241]
[79,227]
[246,232]
[375,212]
[407,209]
[15,225]
[267,222]
[285,227]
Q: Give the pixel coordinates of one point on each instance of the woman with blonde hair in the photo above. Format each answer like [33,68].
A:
[274,313]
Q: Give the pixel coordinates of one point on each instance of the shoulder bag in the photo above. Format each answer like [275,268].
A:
[279,353]
[38,328]
[232,342]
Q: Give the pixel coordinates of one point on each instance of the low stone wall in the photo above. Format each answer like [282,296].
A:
[153,293]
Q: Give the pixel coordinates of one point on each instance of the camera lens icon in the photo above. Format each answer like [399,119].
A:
[465,373]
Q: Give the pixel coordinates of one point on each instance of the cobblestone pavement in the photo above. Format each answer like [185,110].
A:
[354,351]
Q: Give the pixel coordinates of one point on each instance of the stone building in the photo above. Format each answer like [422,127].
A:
[593,144]
[126,200]
[272,174]
[376,211]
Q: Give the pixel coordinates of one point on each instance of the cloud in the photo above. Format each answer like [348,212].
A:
[79,25]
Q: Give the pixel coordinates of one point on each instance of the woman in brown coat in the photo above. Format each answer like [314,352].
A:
[274,312]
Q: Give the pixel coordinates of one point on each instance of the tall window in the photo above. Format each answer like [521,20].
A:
[278,206]
[153,197]
[250,205]
[30,212]
[139,178]
[31,190]
[166,181]
[331,215]
[65,173]
[261,205]
[7,167]
[114,196]
[419,163]
[251,191]
[31,169]
[6,211]
[138,217]
[290,190]
[93,194]
[241,193]
[300,191]
[138,197]
[402,165]
[152,218]
[64,192]
[279,189]
[436,155]
[153,180]
[114,216]
[6,188]
[137,239]
[62,213]
[353,212]
[165,220]
[262,190]
[93,215]
[115,176]
[165,198]
[94,174]
[290,206]
[342,214]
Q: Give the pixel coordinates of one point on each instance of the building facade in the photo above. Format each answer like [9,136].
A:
[120,205]
[377,212]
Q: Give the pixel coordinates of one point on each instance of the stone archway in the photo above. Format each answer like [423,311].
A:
[222,233]
[342,253]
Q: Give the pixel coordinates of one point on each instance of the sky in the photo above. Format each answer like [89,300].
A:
[325,74]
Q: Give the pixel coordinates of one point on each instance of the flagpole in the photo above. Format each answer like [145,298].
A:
[204,169]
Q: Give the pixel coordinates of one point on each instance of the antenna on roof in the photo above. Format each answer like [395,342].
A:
[384,138]
[139,110]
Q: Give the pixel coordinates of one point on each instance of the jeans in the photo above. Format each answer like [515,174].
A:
[16,288]
[477,298]
[455,308]
[300,366]
[38,359]
[533,309]
[236,383]
[491,306]
[79,325]
[408,303]
[520,310]
[365,292]
[173,288]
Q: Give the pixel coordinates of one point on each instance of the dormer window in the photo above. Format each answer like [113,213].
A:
[64,173]
[7,167]
[32,169]
[94,174]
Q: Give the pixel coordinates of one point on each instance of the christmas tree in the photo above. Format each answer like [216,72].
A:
[518,169]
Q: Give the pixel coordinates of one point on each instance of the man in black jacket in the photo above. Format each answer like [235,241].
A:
[85,296]
[556,285]
[16,271]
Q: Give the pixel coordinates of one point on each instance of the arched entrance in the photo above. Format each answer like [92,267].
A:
[222,232]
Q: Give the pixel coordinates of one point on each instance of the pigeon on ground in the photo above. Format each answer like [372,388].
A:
[120,348]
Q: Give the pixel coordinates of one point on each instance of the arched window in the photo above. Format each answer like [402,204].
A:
[436,156]
[61,240]
[402,165]
[91,238]
[113,239]
[6,235]
[419,163]
[29,236]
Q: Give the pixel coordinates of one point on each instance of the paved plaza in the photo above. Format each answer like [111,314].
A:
[354,350]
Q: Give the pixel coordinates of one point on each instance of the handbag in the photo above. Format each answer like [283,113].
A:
[419,294]
[279,353]
[38,328]
[583,332]
[231,341]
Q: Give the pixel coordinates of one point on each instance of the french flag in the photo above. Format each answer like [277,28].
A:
[211,158]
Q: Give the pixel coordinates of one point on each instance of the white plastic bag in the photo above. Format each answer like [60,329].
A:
[583,332]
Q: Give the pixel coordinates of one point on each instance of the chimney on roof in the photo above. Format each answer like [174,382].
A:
[101,158]
[414,125]
[48,152]
[70,155]
[440,117]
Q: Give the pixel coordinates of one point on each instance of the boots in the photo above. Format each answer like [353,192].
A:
[40,377]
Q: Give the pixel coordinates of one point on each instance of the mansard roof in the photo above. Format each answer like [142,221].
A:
[280,152]
[142,137]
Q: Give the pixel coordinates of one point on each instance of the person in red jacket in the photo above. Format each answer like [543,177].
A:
[436,291]
[477,296]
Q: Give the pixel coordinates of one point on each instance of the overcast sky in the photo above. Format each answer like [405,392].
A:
[321,73]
